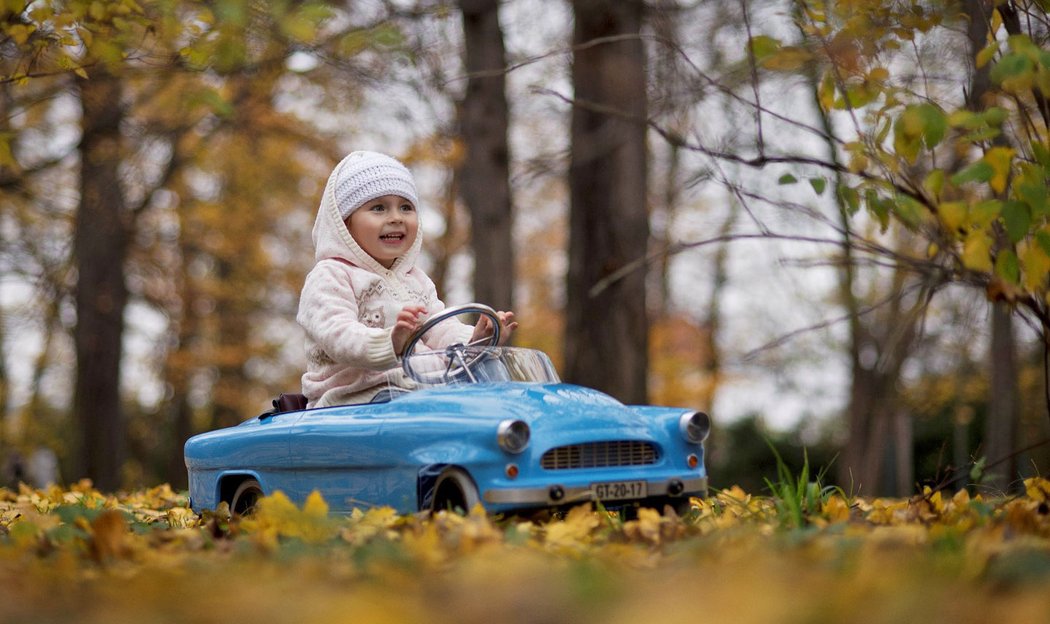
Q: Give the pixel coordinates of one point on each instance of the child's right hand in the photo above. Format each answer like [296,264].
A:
[407,322]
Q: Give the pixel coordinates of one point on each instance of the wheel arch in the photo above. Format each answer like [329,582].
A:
[230,481]
[428,478]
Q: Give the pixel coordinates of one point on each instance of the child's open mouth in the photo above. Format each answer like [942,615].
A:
[392,237]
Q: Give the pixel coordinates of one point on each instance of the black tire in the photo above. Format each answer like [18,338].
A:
[454,490]
[245,497]
[681,506]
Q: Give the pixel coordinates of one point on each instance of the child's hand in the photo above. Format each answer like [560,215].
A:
[407,322]
[507,326]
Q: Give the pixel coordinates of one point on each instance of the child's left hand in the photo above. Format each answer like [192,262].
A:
[484,327]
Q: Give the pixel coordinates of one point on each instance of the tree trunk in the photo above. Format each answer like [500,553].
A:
[231,339]
[711,327]
[1003,401]
[182,428]
[871,398]
[3,391]
[607,335]
[1001,426]
[100,248]
[485,172]
[904,453]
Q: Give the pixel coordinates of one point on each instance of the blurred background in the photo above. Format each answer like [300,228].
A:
[661,190]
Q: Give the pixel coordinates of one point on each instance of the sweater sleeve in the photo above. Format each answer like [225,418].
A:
[329,315]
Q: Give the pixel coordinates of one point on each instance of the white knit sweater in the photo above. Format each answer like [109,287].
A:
[348,306]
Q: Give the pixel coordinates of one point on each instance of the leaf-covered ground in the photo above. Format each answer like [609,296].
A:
[80,556]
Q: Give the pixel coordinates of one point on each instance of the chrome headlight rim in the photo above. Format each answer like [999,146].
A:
[694,426]
[513,435]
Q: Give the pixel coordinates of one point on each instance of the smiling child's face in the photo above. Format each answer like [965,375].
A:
[385,227]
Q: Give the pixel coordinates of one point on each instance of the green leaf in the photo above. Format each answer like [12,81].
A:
[826,91]
[763,46]
[232,12]
[1042,155]
[1030,187]
[883,132]
[923,123]
[787,58]
[981,135]
[1007,266]
[787,178]
[850,199]
[964,118]
[818,184]
[934,124]
[1017,219]
[905,146]
[861,95]
[1022,44]
[299,28]
[388,36]
[879,207]
[934,182]
[1042,238]
[1014,72]
[979,171]
[993,116]
[908,211]
[983,213]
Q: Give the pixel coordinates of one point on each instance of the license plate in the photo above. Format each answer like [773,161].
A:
[618,490]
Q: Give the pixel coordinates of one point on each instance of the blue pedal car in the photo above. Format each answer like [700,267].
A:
[486,424]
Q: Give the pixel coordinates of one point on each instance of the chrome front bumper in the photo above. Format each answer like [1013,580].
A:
[579,494]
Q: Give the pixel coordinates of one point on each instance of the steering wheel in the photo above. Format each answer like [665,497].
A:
[461,358]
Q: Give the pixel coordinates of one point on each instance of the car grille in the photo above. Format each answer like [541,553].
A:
[599,455]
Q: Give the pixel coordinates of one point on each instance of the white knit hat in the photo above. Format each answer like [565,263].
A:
[364,176]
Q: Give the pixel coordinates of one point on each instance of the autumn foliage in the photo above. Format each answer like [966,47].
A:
[81,555]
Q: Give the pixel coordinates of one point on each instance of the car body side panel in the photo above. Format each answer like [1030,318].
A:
[373,454]
[256,448]
[341,455]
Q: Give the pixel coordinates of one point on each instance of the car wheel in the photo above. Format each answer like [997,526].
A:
[245,497]
[682,507]
[454,490]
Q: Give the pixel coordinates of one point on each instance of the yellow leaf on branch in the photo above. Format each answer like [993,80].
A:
[1000,159]
[977,251]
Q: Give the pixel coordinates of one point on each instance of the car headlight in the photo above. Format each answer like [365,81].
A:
[513,435]
[694,426]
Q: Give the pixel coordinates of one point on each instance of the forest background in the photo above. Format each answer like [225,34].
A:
[824,222]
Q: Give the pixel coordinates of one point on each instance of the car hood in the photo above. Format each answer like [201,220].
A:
[548,408]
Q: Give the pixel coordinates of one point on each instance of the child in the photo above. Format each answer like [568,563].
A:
[364,296]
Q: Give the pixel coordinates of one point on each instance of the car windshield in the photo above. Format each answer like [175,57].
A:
[460,364]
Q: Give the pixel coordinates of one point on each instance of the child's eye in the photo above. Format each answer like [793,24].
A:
[378,208]
[407,207]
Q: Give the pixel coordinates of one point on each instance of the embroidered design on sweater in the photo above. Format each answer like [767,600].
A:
[372,316]
[380,289]
[375,290]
